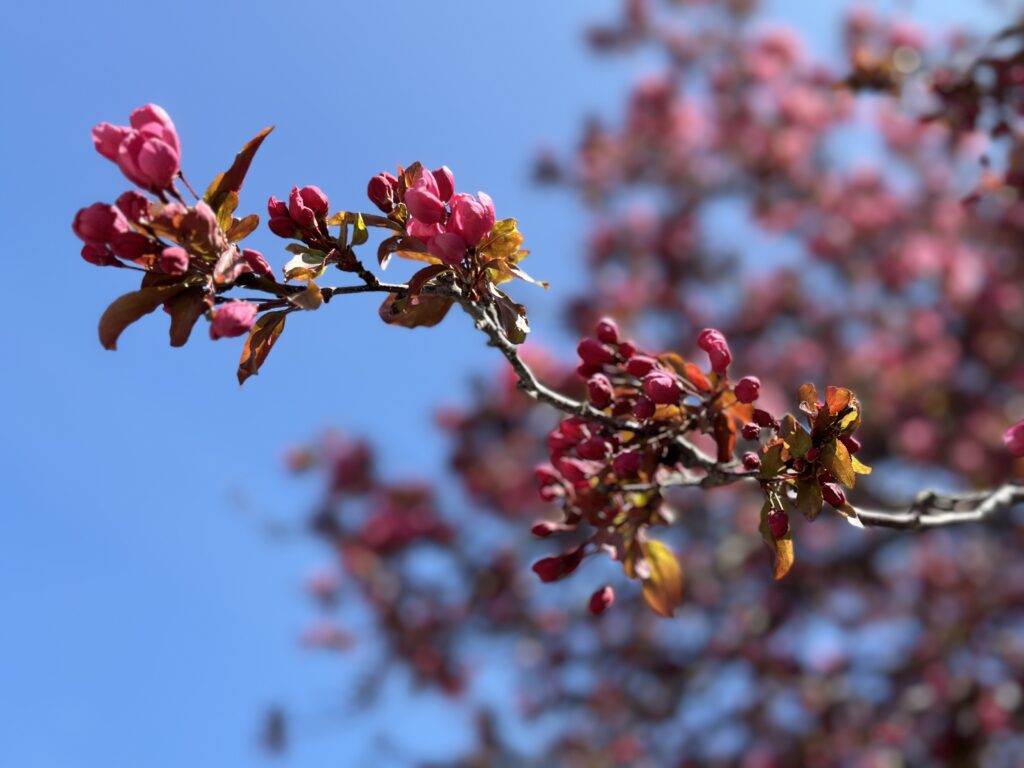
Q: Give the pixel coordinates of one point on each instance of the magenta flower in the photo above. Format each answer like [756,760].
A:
[423,200]
[148,151]
[1013,439]
[448,247]
[445,180]
[383,191]
[472,219]
[234,318]
[257,263]
[300,211]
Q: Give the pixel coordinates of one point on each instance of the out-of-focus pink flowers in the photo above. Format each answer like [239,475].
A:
[1013,438]
[713,342]
[234,318]
[148,150]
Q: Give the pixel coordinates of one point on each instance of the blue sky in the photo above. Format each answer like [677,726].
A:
[146,620]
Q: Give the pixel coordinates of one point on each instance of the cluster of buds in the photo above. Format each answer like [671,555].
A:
[147,150]
[303,217]
[448,222]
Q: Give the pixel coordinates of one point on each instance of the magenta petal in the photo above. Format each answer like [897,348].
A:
[448,247]
[159,162]
[424,205]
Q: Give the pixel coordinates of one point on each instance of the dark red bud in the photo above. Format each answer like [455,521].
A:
[601,600]
[852,443]
[751,460]
[545,528]
[764,419]
[751,431]
[627,349]
[607,331]
[593,352]
[644,408]
[554,568]
[833,494]
[640,365]
[626,464]
[778,524]
[600,391]
[748,389]
[594,449]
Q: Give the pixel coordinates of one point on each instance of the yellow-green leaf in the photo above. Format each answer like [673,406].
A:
[858,467]
[837,460]
[663,587]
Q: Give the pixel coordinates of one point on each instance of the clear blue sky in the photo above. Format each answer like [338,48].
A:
[146,621]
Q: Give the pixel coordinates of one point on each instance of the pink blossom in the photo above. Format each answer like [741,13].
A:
[300,211]
[472,218]
[445,182]
[234,318]
[448,247]
[713,342]
[423,201]
[99,223]
[257,263]
[173,260]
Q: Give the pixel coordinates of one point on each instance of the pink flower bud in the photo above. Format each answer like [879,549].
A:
[174,261]
[283,226]
[607,331]
[593,352]
[99,223]
[833,494]
[299,211]
[422,201]
[643,408]
[640,365]
[573,470]
[445,181]
[751,461]
[257,263]
[601,600]
[132,246]
[545,474]
[626,464]
[600,391]
[544,528]
[134,206]
[713,342]
[472,218]
[778,524]
[627,349]
[100,255]
[382,191]
[1013,439]
[147,161]
[107,139]
[554,568]
[234,318]
[594,449]
[315,200]
[662,388]
[153,120]
[276,208]
[448,247]
[751,431]
[812,454]
[748,389]
[852,443]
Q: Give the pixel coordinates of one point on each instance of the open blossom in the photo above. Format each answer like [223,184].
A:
[424,201]
[472,219]
[1014,439]
[234,318]
[148,150]
[448,247]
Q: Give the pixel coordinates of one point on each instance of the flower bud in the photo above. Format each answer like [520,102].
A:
[833,494]
[153,120]
[751,431]
[283,226]
[643,408]
[132,246]
[627,349]
[107,139]
[751,461]
[554,568]
[545,474]
[147,161]
[764,419]
[257,263]
[100,255]
[315,200]
[601,600]
[600,391]
[301,213]
[472,217]
[662,388]
[445,181]
[383,191]
[573,470]
[422,201]
[98,223]
[852,443]
[812,454]
[778,523]
[748,389]
[594,449]
[545,528]
[276,208]
[593,352]
[607,331]
[626,464]
[173,260]
[1013,439]
[134,206]
[640,365]
[448,247]
[714,344]
[234,318]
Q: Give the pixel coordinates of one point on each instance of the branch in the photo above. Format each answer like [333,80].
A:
[931,510]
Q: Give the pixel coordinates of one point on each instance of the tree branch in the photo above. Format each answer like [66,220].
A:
[930,509]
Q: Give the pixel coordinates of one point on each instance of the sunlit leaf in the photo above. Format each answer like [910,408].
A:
[782,548]
[808,497]
[359,232]
[796,437]
[309,299]
[837,460]
[837,398]
[305,266]
[232,179]
[429,311]
[242,228]
[262,337]
[663,583]
[858,467]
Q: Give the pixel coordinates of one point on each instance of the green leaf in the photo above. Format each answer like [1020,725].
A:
[663,584]
[262,337]
[309,299]
[360,234]
[837,460]
[796,437]
[231,180]
[132,306]
[771,461]
[306,265]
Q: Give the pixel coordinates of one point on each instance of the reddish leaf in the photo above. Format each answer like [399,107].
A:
[837,398]
[132,306]
[430,311]
[231,180]
[185,309]
[264,334]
